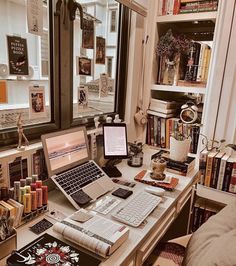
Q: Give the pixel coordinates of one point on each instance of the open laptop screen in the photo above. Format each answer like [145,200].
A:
[65,149]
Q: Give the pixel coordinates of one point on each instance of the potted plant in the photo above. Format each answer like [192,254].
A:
[170,48]
[179,147]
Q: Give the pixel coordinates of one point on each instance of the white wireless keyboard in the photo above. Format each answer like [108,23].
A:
[137,209]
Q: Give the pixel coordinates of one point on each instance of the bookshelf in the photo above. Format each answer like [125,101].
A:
[199,27]
[218,26]
[172,88]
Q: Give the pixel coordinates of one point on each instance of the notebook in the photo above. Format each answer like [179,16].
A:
[69,165]
[47,250]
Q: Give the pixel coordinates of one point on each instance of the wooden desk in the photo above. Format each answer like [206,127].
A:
[143,239]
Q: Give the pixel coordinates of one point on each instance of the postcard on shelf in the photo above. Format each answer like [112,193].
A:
[100,50]
[88,34]
[35,17]
[169,183]
[93,232]
[37,107]
[48,250]
[3,91]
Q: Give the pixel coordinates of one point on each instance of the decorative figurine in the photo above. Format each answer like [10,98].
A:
[96,121]
[108,119]
[21,134]
[117,119]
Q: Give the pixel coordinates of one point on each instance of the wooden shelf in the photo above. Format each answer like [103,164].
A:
[172,88]
[187,17]
[214,194]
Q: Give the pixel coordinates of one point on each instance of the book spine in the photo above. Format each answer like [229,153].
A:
[176,7]
[227,176]
[160,4]
[155,130]
[195,218]
[215,173]
[206,69]
[232,185]
[202,167]
[196,60]
[168,126]
[152,130]
[158,132]
[190,65]
[163,132]
[208,171]
[164,6]
[221,174]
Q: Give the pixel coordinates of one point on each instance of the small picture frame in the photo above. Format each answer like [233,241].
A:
[37,106]
[100,50]
[82,96]
[103,85]
[88,34]
[84,66]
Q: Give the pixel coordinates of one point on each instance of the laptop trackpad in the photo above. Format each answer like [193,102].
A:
[94,190]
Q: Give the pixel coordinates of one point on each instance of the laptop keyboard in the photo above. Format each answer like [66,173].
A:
[80,176]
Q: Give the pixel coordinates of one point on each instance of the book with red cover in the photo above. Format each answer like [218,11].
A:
[47,250]
[168,186]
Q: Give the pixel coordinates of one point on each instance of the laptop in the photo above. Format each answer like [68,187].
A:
[69,166]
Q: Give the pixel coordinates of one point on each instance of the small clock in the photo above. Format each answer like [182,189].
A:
[189,113]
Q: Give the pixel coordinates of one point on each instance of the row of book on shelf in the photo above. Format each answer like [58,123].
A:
[164,123]
[174,7]
[203,209]
[193,66]
[217,170]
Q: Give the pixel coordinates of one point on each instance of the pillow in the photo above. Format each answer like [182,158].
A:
[214,243]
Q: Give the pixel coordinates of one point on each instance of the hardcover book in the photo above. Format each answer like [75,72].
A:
[93,232]
[228,173]
[222,171]
[48,250]
[210,159]
[232,185]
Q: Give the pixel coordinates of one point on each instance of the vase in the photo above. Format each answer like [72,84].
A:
[176,74]
[179,149]
[169,73]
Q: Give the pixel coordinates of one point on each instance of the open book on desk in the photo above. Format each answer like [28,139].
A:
[93,232]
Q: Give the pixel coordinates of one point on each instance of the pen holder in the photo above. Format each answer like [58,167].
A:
[158,168]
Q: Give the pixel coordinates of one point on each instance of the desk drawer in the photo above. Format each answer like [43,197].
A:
[146,249]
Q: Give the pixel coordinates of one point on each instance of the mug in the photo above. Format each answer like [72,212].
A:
[140,118]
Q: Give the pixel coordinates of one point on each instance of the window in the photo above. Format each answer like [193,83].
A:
[25,80]
[70,75]
[94,88]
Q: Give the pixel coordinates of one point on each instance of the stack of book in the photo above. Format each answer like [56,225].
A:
[160,128]
[193,6]
[180,168]
[217,170]
[174,7]
[198,62]
[203,209]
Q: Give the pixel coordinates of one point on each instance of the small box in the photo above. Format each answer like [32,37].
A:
[8,245]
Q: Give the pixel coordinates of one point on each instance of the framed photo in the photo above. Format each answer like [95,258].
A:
[37,102]
[100,50]
[88,34]
[84,66]
[82,96]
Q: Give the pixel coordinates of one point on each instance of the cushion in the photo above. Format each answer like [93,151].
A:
[214,243]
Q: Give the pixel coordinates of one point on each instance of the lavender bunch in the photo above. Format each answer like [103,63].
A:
[170,45]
